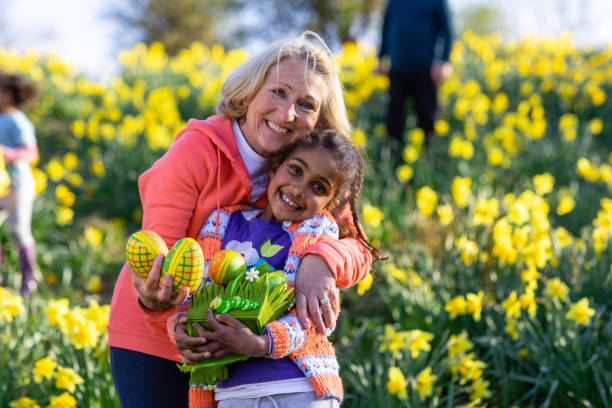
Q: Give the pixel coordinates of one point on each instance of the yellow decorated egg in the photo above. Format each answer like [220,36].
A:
[141,250]
[225,266]
[185,262]
[276,278]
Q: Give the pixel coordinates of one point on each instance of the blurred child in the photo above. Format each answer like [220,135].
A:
[308,179]
[18,144]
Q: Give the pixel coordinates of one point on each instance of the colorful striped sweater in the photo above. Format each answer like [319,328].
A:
[311,351]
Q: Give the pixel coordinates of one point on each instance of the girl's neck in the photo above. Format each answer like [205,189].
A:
[266,214]
[8,109]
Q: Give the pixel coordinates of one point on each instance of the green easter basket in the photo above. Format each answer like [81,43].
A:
[269,301]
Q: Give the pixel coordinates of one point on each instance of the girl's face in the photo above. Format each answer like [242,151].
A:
[302,186]
[6,100]
[286,107]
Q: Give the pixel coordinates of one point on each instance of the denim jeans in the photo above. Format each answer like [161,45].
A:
[147,381]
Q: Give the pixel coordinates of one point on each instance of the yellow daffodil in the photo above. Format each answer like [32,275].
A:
[365,284]
[461,191]
[24,402]
[397,383]
[426,199]
[404,173]
[372,216]
[445,214]
[580,312]
[64,400]
[44,369]
[458,345]
[556,289]
[67,379]
[456,306]
[566,205]
[10,305]
[424,383]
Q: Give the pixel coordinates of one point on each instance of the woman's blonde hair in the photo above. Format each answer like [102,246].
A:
[245,81]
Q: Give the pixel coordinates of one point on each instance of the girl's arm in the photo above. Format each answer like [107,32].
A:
[287,335]
[281,337]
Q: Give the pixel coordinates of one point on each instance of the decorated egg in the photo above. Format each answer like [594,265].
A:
[225,266]
[141,250]
[185,262]
[276,278]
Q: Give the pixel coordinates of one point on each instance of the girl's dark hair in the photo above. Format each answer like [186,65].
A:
[350,168]
[24,92]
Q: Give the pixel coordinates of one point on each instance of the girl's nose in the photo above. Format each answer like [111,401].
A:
[298,189]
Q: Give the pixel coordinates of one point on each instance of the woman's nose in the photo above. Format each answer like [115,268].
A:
[287,112]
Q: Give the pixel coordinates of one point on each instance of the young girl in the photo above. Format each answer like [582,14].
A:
[19,149]
[310,177]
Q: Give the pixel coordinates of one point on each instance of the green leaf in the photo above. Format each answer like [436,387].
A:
[267,249]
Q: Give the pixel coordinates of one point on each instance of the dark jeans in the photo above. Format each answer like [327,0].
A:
[417,85]
[147,381]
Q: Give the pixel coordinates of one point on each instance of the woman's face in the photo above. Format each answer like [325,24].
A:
[286,107]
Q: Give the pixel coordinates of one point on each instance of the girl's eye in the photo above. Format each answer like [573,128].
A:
[296,170]
[319,188]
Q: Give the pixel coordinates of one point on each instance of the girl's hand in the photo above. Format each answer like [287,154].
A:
[315,282]
[194,349]
[235,336]
[151,293]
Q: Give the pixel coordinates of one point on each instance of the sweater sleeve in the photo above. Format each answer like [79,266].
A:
[28,153]
[288,336]
[169,192]
[348,259]
[170,189]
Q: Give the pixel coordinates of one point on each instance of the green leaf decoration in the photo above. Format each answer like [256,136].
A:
[267,249]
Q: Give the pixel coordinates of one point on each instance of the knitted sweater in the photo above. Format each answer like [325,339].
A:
[308,349]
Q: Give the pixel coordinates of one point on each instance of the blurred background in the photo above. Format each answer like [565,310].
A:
[498,287]
[89,34]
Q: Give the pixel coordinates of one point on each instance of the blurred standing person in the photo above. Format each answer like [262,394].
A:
[417,39]
[18,144]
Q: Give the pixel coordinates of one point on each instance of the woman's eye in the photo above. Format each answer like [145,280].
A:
[307,105]
[278,92]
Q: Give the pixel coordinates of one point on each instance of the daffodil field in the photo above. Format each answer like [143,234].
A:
[498,287]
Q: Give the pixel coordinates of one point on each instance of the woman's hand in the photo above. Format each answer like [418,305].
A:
[315,283]
[194,349]
[151,293]
[234,336]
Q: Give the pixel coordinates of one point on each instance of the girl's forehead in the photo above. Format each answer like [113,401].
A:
[319,161]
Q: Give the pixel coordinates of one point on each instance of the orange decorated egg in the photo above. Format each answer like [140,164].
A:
[225,266]
[185,262]
[141,250]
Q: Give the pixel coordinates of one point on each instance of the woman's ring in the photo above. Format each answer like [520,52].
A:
[324,301]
